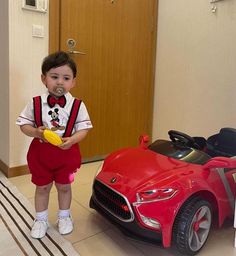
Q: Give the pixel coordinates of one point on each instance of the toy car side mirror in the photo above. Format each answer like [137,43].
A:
[220,162]
[143,140]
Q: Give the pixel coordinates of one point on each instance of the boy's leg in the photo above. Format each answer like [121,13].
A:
[64,195]
[42,197]
[40,225]
[65,224]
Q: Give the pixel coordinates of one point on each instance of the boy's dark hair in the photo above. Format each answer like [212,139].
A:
[58,59]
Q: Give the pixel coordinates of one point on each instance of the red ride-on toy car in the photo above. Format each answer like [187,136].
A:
[170,190]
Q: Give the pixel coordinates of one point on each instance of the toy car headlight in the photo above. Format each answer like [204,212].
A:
[155,195]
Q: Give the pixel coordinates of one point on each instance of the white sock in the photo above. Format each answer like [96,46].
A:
[63,214]
[42,215]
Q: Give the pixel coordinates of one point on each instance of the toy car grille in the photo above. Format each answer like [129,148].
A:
[112,201]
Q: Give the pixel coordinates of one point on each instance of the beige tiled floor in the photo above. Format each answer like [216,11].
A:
[93,235]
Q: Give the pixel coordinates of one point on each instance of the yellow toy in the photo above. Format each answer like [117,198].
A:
[52,137]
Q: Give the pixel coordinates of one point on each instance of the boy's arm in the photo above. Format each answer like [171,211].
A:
[75,138]
[79,135]
[33,131]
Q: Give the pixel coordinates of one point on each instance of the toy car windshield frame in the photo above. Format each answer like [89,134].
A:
[183,153]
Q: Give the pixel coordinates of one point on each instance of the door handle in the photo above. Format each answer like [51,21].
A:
[71,43]
[76,52]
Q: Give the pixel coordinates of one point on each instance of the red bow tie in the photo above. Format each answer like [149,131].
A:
[60,101]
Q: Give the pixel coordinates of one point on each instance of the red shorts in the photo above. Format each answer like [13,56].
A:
[48,163]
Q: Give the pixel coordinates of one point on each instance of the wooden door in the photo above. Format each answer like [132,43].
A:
[116,74]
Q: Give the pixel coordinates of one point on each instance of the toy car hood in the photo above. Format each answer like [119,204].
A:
[127,169]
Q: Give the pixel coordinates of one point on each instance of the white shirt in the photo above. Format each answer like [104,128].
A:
[56,118]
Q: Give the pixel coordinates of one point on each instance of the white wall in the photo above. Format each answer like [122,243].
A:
[4,85]
[196,67]
[25,56]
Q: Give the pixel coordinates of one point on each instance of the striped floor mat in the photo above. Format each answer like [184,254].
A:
[16,218]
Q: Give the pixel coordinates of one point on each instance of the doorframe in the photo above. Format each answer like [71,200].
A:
[54,25]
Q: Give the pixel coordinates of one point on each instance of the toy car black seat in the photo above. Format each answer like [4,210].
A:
[223,143]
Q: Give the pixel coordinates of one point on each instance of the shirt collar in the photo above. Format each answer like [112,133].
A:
[45,95]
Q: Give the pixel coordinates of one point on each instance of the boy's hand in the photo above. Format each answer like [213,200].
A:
[75,138]
[66,143]
[39,133]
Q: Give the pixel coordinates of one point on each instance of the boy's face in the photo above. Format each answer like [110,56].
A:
[59,80]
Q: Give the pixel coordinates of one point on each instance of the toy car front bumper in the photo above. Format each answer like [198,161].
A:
[132,229]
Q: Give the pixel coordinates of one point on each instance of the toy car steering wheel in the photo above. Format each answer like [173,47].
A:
[183,139]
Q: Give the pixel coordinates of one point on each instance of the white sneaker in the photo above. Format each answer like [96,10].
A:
[39,229]
[65,225]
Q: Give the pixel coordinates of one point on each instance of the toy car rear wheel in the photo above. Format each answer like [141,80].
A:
[192,226]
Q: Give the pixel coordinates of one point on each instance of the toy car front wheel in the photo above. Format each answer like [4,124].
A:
[192,226]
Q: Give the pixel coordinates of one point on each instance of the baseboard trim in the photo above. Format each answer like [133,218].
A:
[13,171]
[4,168]
[17,171]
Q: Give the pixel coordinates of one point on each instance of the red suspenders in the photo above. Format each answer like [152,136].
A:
[38,111]
[72,118]
[71,122]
